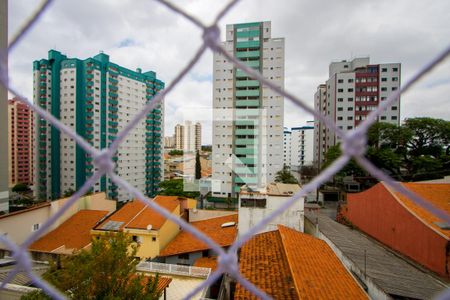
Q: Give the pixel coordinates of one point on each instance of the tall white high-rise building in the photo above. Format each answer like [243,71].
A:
[188,137]
[299,146]
[353,90]
[247,118]
[97,99]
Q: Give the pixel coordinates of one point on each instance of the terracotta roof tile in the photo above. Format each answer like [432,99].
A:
[137,215]
[73,234]
[288,264]
[184,242]
[438,194]
[206,262]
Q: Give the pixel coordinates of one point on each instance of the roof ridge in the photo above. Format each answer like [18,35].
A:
[281,229]
[392,192]
[136,215]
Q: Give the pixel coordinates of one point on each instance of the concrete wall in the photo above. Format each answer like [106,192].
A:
[168,231]
[292,217]
[205,214]
[15,292]
[379,214]
[4,194]
[190,261]
[18,226]
[373,290]
[96,201]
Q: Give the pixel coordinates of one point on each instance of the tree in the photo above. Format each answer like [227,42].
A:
[176,152]
[106,271]
[175,187]
[198,166]
[207,148]
[68,193]
[285,176]
[21,188]
[351,168]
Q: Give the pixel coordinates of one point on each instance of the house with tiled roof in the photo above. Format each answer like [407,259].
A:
[71,236]
[21,224]
[185,249]
[150,230]
[399,223]
[288,264]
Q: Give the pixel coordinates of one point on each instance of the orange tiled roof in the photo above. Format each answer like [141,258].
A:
[438,194]
[73,234]
[184,242]
[136,215]
[163,282]
[207,262]
[288,264]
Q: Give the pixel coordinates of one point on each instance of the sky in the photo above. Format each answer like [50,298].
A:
[145,34]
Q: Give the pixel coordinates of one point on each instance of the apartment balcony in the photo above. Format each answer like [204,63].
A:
[252,63]
[245,141]
[246,160]
[113,102]
[247,93]
[245,131]
[244,151]
[113,80]
[241,74]
[251,180]
[245,122]
[112,95]
[247,83]
[247,54]
[112,123]
[154,267]
[89,84]
[90,76]
[113,88]
[247,44]
[247,112]
[247,103]
[244,170]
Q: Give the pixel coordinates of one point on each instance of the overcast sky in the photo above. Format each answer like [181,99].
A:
[144,34]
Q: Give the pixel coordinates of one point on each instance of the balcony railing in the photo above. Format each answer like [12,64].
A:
[155,267]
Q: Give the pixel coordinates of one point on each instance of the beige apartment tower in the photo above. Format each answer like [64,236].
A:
[188,137]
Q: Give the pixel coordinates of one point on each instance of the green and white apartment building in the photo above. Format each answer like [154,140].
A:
[247,117]
[96,98]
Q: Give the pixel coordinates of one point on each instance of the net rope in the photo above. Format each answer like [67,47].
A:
[354,145]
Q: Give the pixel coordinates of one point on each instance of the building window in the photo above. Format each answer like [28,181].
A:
[383,89]
[395,69]
[394,108]
[340,90]
[349,127]
[383,118]
[384,70]
[350,108]
[384,79]
[35,227]
[340,109]
[340,80]
[350,80]
[394,118]
[183,256]
[340,99]
[153,238]
[339,118]
[350,90]
[394,78]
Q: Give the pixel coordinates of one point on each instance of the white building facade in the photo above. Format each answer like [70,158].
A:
[188,137]
[254,205]
[353,90]
[97,99]
[298,147]
[247,142]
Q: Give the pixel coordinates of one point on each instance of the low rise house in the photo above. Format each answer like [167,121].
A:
[185,249]
[152,231]
[396,221]
[255,205]
[288,264]
[71,236]
[19,225]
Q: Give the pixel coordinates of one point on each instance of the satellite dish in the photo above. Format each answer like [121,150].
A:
[149,227]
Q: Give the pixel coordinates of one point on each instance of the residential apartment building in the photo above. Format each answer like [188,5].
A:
[353,90]
[247,142]
[96,98]
[188,137]
[4,193]
[20,137]
[169,142]
[298,147]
